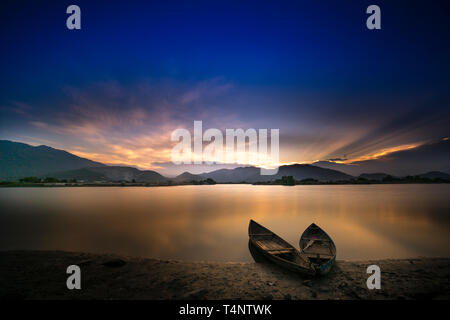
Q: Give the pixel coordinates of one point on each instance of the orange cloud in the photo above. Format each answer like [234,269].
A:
[381,153]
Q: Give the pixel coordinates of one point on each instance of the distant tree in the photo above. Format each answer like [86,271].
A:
[50,180]
[389,178]
[361,180]
[288,180]
[30,180]
[309,181]
[210,181]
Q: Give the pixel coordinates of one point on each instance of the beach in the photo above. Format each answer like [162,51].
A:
[42,275]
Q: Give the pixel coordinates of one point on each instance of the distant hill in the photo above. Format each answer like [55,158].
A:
[435,175]
[298,171]
[306,171]
[18,160]
[187,177]
[373,176]
[111,173]
[241,174]
[350,169]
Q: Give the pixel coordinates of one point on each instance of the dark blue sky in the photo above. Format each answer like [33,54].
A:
[312,69]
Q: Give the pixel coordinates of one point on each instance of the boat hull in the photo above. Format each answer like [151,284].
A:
[320,249]
[283,263]
[278,251]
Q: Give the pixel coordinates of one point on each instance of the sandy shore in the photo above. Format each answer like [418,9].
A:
[42,275]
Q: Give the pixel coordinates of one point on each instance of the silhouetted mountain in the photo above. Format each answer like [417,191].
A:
[373,176]
[298,171]
[350,169]
[18,160]
[84,174]
[176,169]
[435,175]
[187,177]
[306,171]
[112,173]
[247,174]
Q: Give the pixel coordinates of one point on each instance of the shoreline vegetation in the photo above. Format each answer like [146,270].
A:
[284,181]
[42,275]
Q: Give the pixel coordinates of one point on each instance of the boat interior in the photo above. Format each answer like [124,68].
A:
[318,251]
[275,246]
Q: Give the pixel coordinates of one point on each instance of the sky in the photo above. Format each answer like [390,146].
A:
[115,90]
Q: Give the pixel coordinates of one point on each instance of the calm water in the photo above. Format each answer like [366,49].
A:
[210,222]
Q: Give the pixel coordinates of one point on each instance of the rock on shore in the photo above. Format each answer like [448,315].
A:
[42,275]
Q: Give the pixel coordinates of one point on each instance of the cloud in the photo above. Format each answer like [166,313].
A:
[432,156]
[413,127]
[206,90]
[337,159]
[132,125]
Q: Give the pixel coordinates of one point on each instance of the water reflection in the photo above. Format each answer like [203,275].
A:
[210,222]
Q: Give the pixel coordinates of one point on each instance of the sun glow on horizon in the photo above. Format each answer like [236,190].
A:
[138,158]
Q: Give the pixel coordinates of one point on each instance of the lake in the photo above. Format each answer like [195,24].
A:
[210,222]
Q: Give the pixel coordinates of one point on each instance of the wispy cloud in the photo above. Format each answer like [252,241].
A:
[205,90]
[403,132]
[131,125]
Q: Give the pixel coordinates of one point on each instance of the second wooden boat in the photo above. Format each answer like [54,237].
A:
[278,250]
[319,248]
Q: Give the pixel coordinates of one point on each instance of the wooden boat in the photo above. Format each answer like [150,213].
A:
[277,250]
[319,248]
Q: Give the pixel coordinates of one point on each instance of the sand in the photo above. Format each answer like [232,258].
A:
[42,275]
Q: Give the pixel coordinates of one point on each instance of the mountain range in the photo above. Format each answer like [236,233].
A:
[297,171]
[111,173]
[19,160]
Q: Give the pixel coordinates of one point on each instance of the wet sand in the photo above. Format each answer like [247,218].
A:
[42,275]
